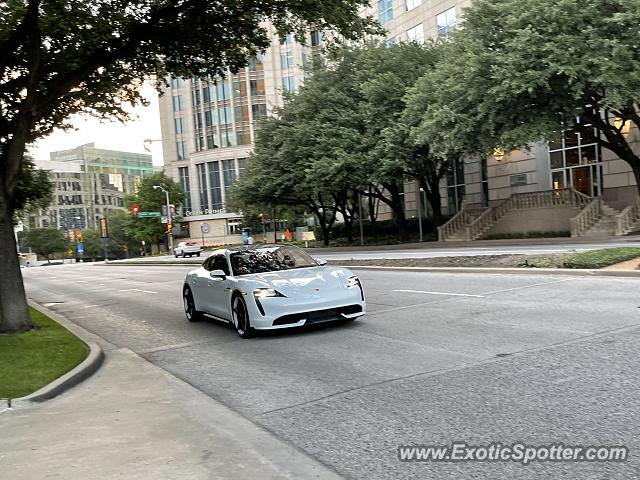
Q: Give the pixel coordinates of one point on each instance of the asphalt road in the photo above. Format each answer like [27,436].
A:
[439,358]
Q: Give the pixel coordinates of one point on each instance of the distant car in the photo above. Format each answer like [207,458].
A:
[269,287]
[187,249]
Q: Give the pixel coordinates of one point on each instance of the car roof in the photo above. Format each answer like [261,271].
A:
[251,248]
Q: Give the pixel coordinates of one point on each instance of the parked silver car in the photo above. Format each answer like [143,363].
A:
[187,249]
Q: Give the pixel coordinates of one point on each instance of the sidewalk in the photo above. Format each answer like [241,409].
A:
[133,420]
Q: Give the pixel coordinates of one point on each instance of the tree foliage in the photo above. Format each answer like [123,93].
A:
[152,200]
[34,190]
[63,58]
[335,140]
[45,241]
[544,66]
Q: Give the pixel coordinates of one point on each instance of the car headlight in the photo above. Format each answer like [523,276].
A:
[261,293]
[353,282]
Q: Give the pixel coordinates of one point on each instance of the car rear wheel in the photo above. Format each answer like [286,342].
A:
[177,255]
[190,311]
[240,317]
[198,254]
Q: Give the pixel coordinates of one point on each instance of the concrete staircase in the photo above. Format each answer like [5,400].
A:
[606,225]
[475,223]
[628,221]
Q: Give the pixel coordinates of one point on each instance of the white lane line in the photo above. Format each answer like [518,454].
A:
[441,293]
[137,290]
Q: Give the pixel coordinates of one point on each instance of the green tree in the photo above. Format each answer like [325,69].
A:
[121,244]
[92,244]
[45,241]
[58,59]
[34,190]
[518,72]
[150,199]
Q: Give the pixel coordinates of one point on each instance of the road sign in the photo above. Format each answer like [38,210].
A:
[80,247]
[149,214]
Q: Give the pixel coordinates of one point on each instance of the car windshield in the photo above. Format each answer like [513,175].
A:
[270,259]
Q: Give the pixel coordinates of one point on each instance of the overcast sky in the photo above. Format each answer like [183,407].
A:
[114,135]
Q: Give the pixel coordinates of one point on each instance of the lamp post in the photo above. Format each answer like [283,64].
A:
[419,205]
[169,219]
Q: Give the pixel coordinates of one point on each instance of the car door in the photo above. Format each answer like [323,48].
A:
[198,281]
[218,290]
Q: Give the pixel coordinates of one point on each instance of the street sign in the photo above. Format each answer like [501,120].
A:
[148,214]
[80,248]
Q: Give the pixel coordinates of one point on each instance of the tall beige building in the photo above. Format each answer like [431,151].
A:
[208,129]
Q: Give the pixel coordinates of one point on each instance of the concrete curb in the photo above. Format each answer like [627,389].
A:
[522,271]
[84,370]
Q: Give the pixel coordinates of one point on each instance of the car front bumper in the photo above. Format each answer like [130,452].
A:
[281,312]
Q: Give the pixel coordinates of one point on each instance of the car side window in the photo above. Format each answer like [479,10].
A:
[220,263]
[208,264]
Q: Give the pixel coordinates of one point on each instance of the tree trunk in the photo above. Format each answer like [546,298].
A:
[14,313]
[432,192]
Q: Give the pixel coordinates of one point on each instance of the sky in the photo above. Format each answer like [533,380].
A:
[127,137]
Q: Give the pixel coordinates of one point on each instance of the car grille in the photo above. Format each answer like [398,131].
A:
[318,316]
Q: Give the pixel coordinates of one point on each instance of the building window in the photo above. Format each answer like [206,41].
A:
[455,186]
[177,103]
[259,110]
[385,10]
[181,150]
[202,186]
[316,38]
[289,84]
[228,173]
[215,189]
[241,165]
[575,164]
[211,141]
[411,4]
[225,115]
[183,173]
[176,82]
[256,87]
[223,90]
[286,60]
[179,125]
[446,22]
[416,34]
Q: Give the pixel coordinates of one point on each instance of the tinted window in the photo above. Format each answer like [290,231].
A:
[270,259]
[208,264]
[220,263]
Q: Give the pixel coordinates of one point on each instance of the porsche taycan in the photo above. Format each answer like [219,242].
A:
[267,287]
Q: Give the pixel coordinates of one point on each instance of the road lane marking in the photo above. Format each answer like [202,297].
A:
[441,293]
[137,290]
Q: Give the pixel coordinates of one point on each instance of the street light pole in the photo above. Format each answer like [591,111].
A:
[169,219]
[419,205]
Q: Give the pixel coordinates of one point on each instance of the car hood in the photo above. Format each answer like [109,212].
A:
[301,281]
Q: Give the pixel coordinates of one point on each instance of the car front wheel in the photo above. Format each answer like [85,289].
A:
[240,317]
[190,311]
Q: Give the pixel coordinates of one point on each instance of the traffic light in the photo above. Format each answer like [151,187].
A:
[135,209]
[78,236]
[169,227]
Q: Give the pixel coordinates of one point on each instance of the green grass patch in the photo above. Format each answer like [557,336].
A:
[31,360]
[601,258]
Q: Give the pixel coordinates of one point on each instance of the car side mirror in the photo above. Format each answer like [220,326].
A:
[321,261]
[218,274]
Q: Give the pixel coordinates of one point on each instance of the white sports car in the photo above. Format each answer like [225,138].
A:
[268,287]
